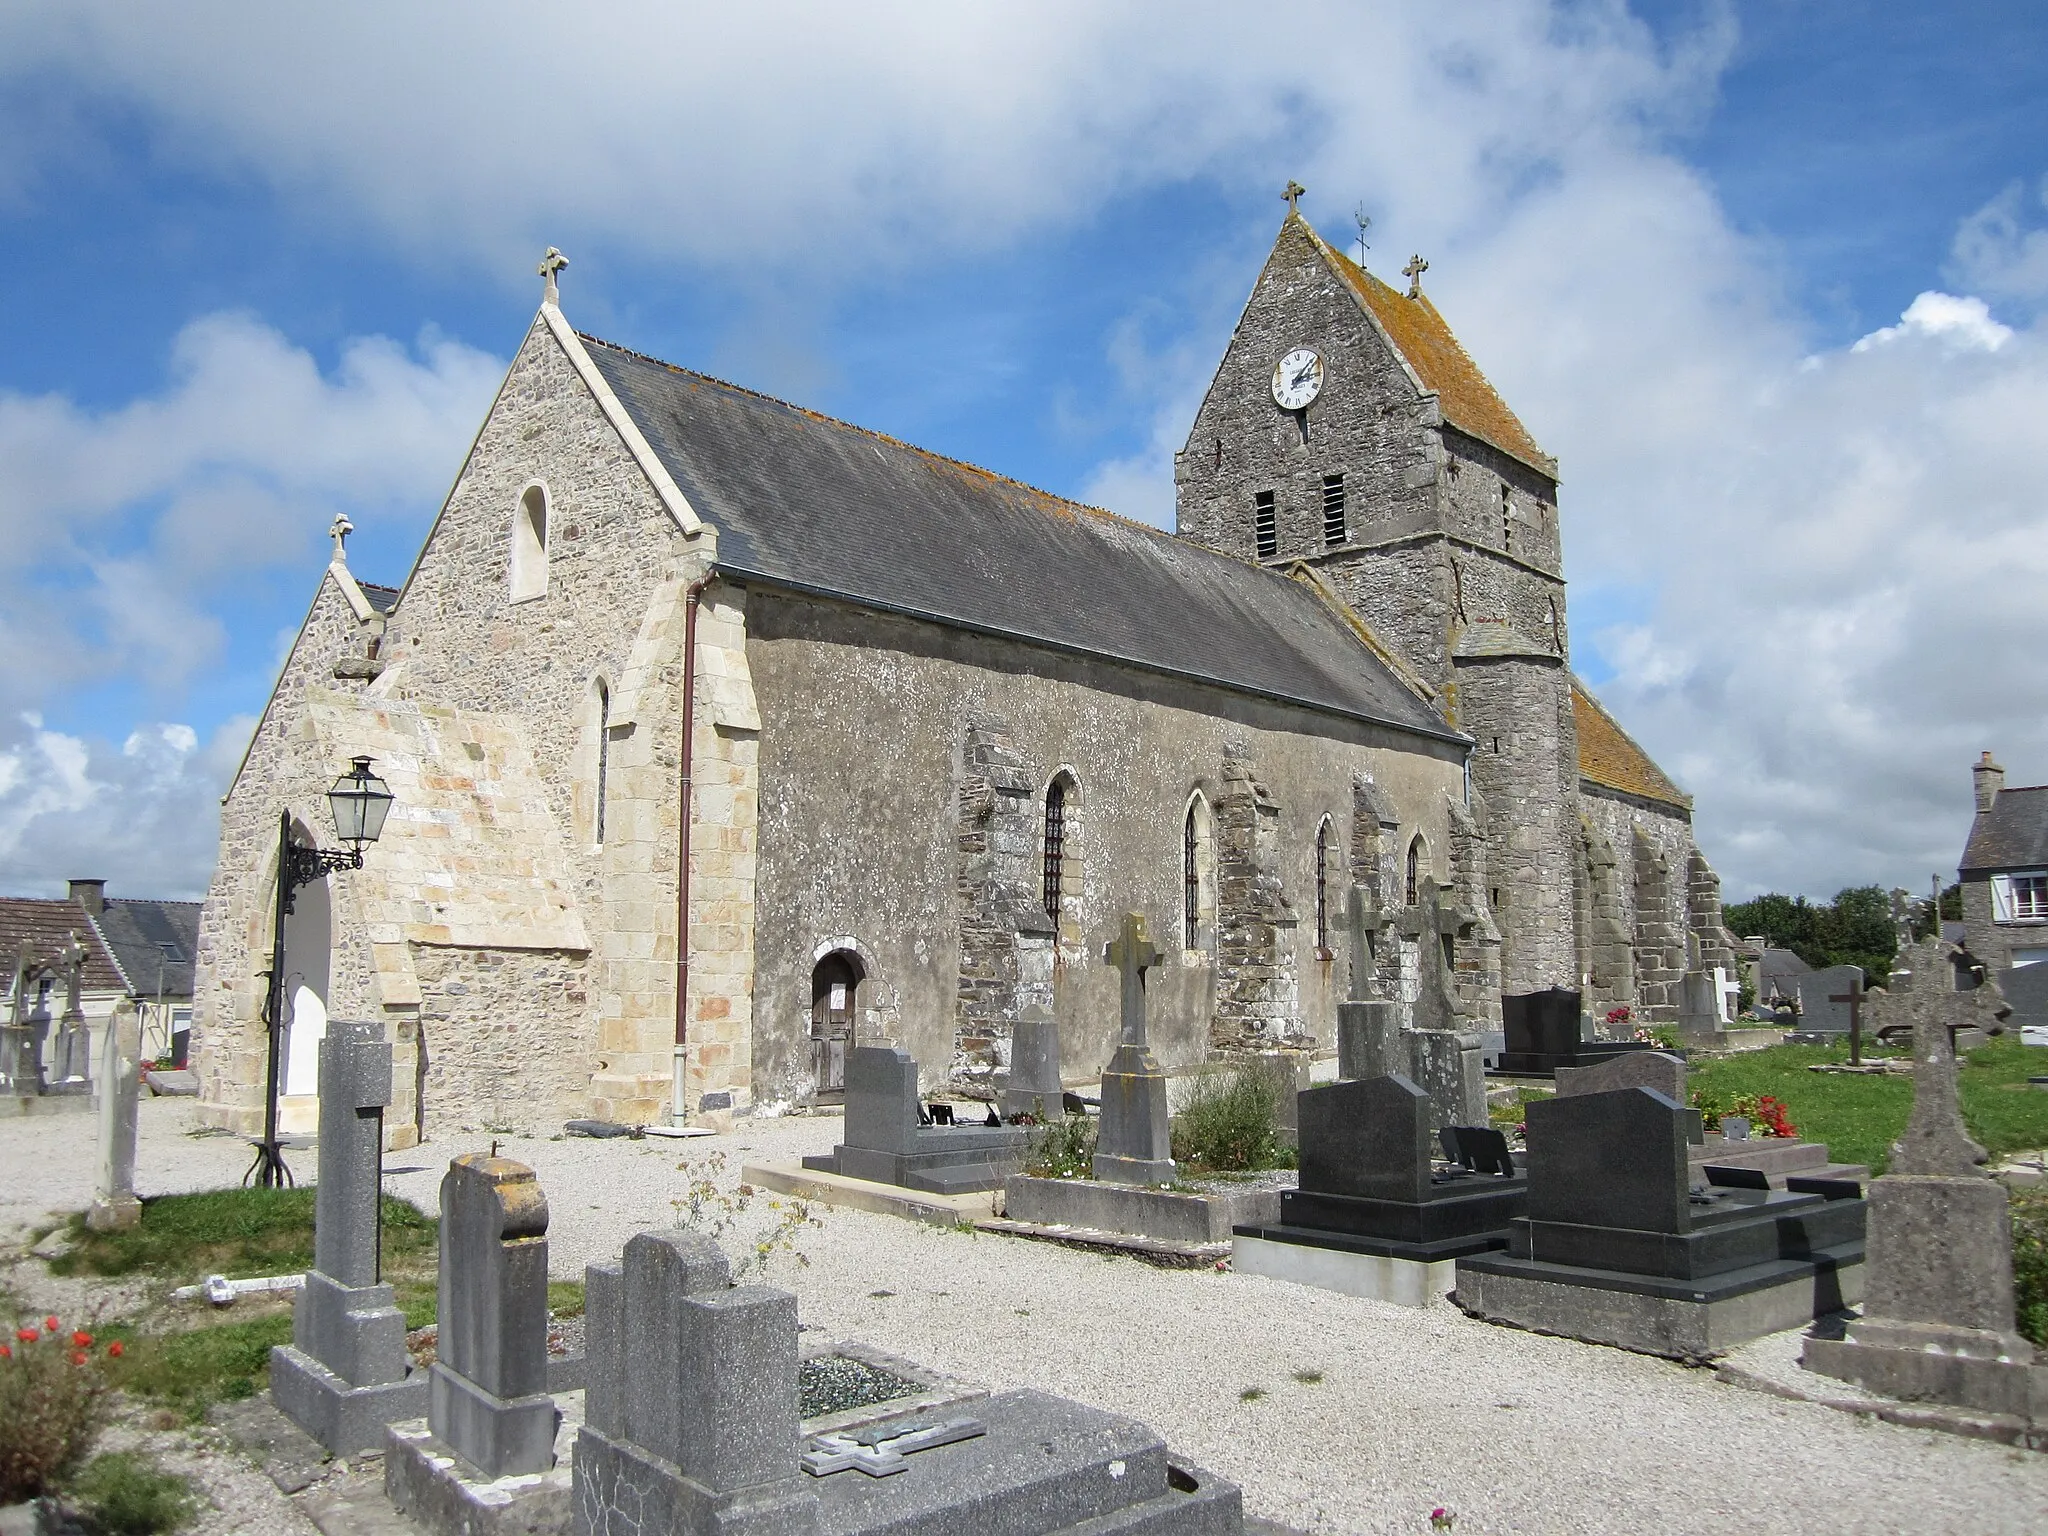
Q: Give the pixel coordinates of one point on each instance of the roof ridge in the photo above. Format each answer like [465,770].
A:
[1173,540]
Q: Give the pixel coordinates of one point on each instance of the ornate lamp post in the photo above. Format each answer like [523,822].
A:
[360,802]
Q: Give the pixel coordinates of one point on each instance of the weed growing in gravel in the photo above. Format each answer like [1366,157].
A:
[1229,1120]
[125,1493]
[708,1209]
[1309,1376]
[1251,1394]
[1062,1149]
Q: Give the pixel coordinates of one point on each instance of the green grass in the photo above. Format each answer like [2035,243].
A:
[125,1493]
[191,1371]
[1860,1117]
[237,1233]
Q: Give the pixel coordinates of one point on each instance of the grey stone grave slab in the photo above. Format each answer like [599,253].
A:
[1386,1218]
[114,1205]
[1447,1065]
[691,1429]
[1032,1086]
[885,1143]
[1637,1069]
[1616,1247]
[345,1375]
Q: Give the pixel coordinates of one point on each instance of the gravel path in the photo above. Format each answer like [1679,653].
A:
[1512,1431]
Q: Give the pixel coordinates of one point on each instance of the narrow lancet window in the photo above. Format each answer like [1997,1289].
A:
[1055,846]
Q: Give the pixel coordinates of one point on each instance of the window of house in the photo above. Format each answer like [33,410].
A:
[2029,897]
[1055,846]
[1334,531]
[1323,886]
[1265,525]
[530,545]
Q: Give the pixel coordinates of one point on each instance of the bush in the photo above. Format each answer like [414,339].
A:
[124,1493]
[1062,1149]
[1229,1120]
[2030,1262]
[53,1403]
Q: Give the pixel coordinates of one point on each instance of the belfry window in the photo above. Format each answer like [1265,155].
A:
[1265,525]
[1507,517]
[530,545]
[1334,531]
[1055,846]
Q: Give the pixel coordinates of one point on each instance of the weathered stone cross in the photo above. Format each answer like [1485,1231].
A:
[73,956]
[1854,998]
[1363,922]
[1413,272]
[339,530]
[1131,952]
[1295,191]
[550,264]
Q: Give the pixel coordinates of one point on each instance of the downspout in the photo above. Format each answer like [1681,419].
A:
[679,1106]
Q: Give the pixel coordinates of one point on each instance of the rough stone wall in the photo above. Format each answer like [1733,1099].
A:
[1988,942]
[1476,951]
[1660,934]
[863,766]
[1638,833]
[1006,936]
[1709,942]
[1480,482]
[286,768]
[1375,848]
[1608,959]
[484,1065]
[1258,981]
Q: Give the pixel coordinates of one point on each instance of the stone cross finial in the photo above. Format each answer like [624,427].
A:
[339,530]
[1294,193]
[550,264]
[1131,952]
[1413,272]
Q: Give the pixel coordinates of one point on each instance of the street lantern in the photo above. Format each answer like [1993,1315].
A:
[360,801]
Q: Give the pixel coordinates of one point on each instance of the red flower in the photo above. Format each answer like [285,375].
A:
[6,1352]
[115,1349]
[51,1325]
[27,1335]
[81,1338]
[78,1357]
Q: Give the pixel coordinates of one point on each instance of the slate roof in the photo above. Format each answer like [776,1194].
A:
[383,599]
[1777,974]
[1468,400]
[1609,756]
[132,929]
[2013,834]
[48,926]
[806,502]
[1498,640]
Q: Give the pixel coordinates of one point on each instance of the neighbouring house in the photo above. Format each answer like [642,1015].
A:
[2004,872]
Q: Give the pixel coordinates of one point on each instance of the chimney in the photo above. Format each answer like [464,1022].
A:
[1990,780]
[92,894]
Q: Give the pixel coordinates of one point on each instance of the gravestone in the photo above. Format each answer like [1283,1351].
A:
[345,1375]
[1544,1031]
[1134,1143]
[1819,1013]
[1368,1025]
[1033,1086]
[114,1205]
[1638,1069]
[1618,1247]
[691,1429]
[1701,1005]
[886,1144]
[71,1050]
[1375,1214]
[1449,1067]
[1938,1322]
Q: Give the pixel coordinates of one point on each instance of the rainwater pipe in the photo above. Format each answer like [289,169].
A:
[679,1113]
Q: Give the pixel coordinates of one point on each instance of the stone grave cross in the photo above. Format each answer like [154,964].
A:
[1854,998]
[1364,922]
[1935,1141]
[1133,954]
[1430,924]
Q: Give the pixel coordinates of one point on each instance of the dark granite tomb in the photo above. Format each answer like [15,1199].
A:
[1611,1209]
[1369,1185]
[885,1143]
[1543,1031]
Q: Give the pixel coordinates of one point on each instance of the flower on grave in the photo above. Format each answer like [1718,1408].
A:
[1619,1015]
[81,1338]
[6,1351]
[27,1335]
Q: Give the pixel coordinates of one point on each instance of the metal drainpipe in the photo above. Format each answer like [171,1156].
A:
[679,1110]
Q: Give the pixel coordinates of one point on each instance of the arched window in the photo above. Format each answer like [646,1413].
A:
[1191,883]
[1414,870]
[1055,845]
[1323,886]
[604,750]
[530,545]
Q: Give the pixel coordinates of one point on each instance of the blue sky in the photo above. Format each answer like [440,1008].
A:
[267,269]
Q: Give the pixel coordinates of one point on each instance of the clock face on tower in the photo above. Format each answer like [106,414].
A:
[1297,379]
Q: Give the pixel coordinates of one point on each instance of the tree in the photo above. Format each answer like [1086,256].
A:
[1854,929]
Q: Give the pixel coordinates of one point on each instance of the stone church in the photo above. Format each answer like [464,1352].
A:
[894,742]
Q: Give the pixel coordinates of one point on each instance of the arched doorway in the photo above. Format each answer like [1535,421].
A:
[835,995]
[308,945]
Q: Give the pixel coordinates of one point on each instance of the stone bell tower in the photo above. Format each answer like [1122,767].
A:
[1347,436]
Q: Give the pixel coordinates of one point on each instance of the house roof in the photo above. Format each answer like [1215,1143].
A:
[48,926]
[1610,758]
[1778,972]
[2013,834]
[1468,400]
[133,930]
[806,502]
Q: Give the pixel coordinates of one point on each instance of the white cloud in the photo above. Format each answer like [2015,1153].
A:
[1962,323]
[1995,251]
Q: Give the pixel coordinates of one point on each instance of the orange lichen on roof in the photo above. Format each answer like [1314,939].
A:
[1609,756]
[1470,403]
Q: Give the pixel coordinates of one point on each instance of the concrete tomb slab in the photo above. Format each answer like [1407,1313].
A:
[345,1375]
[886,1145]
[1617,1247]
[1375,1214]
[1637,1069]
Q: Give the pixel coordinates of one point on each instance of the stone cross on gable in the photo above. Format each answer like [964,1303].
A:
[1132,953]
[550,264]
[1294,193]
[339,530]
[1413,272]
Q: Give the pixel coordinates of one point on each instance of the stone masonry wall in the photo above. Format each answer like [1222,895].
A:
[1257,967]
